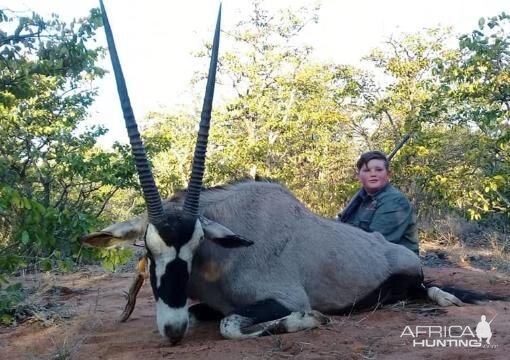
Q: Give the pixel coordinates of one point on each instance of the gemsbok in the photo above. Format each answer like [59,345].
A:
[250,252]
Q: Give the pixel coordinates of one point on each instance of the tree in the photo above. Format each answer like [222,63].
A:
[286,120]
[54,181]
[479,85]
[445,107]
[397,112]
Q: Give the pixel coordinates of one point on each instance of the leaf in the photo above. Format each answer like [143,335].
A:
[481,23]
[5,319]
[46,265]
[26,203]
[25,238]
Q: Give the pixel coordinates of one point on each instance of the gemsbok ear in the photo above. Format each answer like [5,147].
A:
[124,233]
[222,235]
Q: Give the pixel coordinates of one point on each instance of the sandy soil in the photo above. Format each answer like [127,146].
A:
[79,322]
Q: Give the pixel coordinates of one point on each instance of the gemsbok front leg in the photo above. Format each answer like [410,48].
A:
[268,317]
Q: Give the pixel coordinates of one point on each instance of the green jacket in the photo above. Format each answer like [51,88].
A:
[387,211]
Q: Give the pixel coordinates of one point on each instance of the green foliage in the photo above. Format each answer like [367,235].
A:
[450,106]
[54,182]
[112,258]
[480,88]
[10,297]
[291,131]
[286,122]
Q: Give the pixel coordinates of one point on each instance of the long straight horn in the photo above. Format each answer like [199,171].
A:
[197,172]
[150,191]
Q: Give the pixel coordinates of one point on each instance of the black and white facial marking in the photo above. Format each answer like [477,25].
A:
[170,246]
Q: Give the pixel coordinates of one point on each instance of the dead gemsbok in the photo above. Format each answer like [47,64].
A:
[250,251]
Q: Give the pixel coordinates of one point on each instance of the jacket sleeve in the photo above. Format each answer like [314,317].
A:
[392,218]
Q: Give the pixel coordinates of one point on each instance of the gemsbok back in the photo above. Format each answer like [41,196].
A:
[249,251]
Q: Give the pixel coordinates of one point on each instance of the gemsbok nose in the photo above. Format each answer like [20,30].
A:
[174,334]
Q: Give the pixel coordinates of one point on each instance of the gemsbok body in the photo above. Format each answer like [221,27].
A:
[250,252]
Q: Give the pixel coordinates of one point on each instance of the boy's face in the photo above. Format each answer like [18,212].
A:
[373,175]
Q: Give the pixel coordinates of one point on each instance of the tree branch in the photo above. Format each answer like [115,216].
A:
[18,38]
[399,146]
[503,197]
[106,202]
[392,123]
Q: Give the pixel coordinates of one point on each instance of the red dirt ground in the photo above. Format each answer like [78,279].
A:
[93,302]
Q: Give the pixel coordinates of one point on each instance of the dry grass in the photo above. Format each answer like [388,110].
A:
[66,349]
[63,347]
[285,348]
[44,302]
[454,240]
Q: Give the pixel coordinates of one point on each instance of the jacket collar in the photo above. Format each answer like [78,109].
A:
[364,194]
